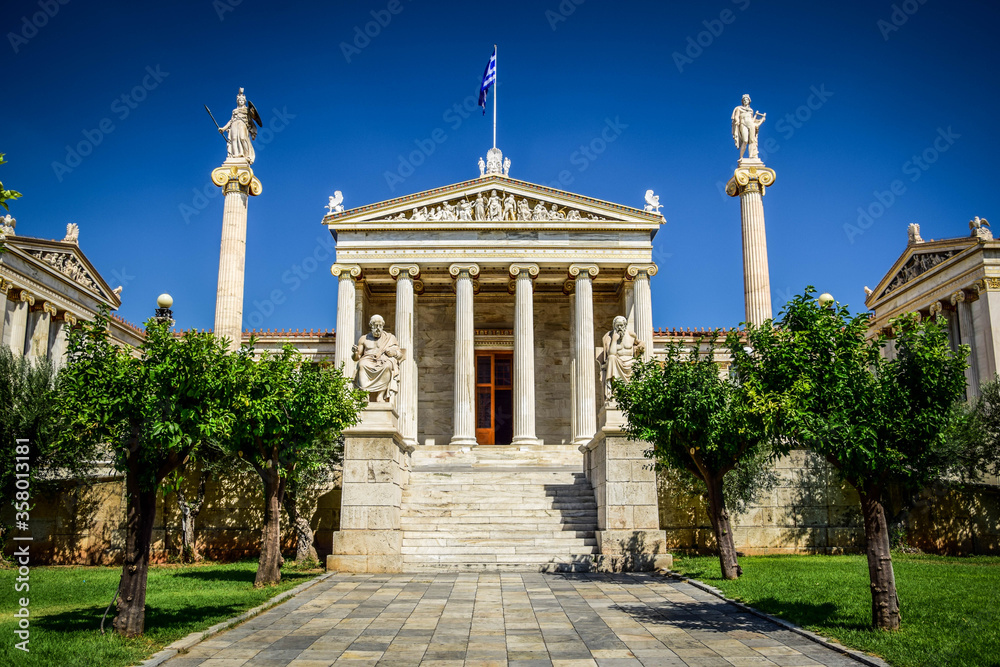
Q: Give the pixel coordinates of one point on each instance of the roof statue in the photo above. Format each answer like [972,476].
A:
[978,226]
[746,125]
[653,204]
[242,128]
[7,224]
[914,233]
[336,204]
[72,233]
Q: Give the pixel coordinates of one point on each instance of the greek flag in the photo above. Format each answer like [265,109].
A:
[489,78]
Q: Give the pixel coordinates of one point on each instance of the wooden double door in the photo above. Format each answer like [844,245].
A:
[494,398]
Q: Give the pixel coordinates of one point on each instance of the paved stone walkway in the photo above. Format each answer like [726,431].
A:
[506,619]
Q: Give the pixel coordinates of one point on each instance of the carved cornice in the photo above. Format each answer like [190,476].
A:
[636,270]
[590,270]
[406,270]
[472,270]
[345,271]
[749,179]
[235,178]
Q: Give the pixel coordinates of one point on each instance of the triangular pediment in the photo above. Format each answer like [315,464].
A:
[493,201]
[917,261]
[65,260]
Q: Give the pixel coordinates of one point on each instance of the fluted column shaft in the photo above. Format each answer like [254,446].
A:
[748,183]
[4,290]
[346,274]
[524,354]
[238,183]
[37,345]
[967,337]
[19,322]
[640,274]
[583,342]
[62,326]
[464,426]
[407,401]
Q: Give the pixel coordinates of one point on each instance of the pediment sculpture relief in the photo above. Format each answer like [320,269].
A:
[68,265]
[492,206]
[915,266]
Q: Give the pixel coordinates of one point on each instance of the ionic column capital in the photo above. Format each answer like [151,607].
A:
[67,317]
[5,286]
[590,270]
[935,308]
[749,179]
[404,270]
[237,178]
[472,270]
[24,295]
[957,297]
[344,271]
[527,270]
[44,306]
[635,270]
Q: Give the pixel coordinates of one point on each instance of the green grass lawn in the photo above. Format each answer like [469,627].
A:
[948,605]
[66,604]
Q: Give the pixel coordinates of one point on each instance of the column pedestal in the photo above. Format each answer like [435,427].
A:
[628,535]
[748,183]
[376,468]
[237,182]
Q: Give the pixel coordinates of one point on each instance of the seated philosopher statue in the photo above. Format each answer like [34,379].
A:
[620,349]
[378,356]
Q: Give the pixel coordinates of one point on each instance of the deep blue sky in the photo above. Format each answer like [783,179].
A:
[343,125]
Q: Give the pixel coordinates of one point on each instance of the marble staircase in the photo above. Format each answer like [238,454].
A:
[502,508]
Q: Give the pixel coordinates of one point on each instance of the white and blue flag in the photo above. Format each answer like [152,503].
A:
[489,78]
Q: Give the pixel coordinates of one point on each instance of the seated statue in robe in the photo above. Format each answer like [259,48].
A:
[378,356]
[620,350]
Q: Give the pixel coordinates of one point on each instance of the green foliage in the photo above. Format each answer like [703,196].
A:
[696,420]
[291,411]
[973,443]
[27,411]
[830,390]
[153,410]
[6,195]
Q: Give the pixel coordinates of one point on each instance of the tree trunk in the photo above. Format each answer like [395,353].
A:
[269,568]
[141,514]
[885,602]
[723,531]
[189,514]
[304,549]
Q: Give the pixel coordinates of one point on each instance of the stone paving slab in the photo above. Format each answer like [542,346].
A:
[511,620]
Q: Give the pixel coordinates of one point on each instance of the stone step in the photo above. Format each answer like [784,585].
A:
[584,564]
[478,545]
[479,514]
[493,533]
[552,455]
[493,530]
[498,508]
[489,485]
[494,559]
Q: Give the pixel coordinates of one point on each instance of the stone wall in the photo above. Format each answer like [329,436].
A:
[812,511]
[85,524]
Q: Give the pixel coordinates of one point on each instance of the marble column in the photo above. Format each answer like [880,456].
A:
[346,274]
[524,354]
[61,325]
[640,275]
[748,183]
[406,275]
[4,290]
[23,300]
[464,424]
[628,303]
[967,336]
[37,341]
[238,183]
[583,344]
[568,289]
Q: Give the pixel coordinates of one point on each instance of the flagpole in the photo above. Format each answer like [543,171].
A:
[496,84]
